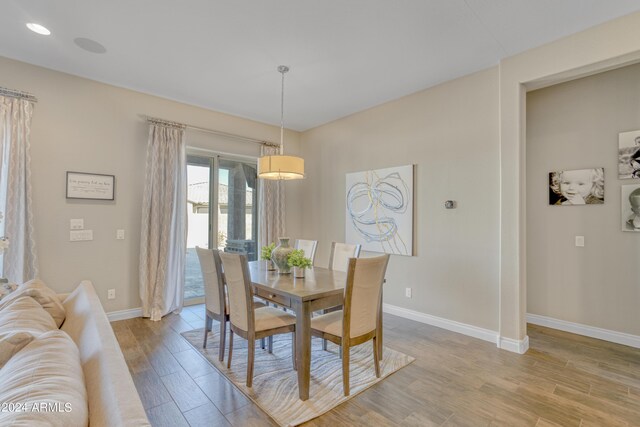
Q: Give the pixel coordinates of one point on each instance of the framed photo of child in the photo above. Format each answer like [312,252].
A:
[576,187]
[630,207]
[629,155]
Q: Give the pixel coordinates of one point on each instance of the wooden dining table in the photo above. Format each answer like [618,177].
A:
[320,289]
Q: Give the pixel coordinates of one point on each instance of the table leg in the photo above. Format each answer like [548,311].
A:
[303,347]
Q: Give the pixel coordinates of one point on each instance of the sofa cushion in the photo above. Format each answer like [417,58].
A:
[43,384]
[44,295]
[24,314]
[20,321]
[11,343]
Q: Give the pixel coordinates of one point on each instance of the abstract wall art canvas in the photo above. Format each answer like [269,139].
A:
[380,210]
[629,155]
[576,187]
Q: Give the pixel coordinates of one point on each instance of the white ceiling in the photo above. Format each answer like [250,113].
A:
[345,55]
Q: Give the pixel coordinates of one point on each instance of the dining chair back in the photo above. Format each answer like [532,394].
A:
[245,319]
[361,317]
[211,267]
[214,294]
[340,254]
[309,248]
[362,294]
[238,280]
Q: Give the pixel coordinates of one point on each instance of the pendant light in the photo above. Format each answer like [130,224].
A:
[280,166]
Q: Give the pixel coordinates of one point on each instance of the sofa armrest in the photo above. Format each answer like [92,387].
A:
[113,398]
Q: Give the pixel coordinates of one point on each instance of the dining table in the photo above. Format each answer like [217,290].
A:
[320,289]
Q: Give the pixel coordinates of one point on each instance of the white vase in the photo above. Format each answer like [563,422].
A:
[280,255]
[298,272]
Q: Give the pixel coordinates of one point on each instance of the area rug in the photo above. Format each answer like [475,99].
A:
[275,383]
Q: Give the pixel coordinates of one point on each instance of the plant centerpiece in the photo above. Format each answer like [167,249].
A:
[299,262]
[265,254]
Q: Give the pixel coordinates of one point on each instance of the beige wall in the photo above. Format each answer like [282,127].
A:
[83,125]
[467,138]
[450,132]
[612,44]
[575,125]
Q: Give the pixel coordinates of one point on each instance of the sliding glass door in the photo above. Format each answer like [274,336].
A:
[222,213]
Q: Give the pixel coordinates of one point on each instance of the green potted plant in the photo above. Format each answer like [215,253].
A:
[265,254]
[299,262]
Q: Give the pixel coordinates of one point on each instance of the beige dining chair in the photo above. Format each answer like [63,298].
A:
[215,299]
[245,320]
[340,254]
[214,294]
[358,321]
[339,261]
[309,248]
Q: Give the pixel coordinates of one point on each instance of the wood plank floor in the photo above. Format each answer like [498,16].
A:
[563,380]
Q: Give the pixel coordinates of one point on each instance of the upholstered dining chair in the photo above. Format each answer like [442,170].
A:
[245,320]
[215,299]
[339,260]
[340,254]
[214,294]
[358,321]
[309,248]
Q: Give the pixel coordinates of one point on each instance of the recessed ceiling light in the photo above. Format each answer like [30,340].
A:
[37,28]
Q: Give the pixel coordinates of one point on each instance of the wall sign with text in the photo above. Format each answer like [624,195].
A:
[92,186]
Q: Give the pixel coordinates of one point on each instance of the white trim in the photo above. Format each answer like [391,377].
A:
[450,325]
[589,331]
[124,314]
[515,346]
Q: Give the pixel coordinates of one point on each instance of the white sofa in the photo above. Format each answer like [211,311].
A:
[113,398]
[50,367]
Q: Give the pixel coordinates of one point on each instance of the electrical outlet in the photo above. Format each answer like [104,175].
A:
[407,292]
[76,224]
[120,234]
[580,241]
[111,294]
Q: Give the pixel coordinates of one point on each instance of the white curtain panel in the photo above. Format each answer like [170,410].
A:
[163,243]
[20,263]
[270,205]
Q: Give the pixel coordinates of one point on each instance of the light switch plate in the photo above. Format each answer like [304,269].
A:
[580,241]
[76,224]
[120,234]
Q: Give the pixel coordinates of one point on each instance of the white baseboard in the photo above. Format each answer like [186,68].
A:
[450,325]
[515,346]
[589,331]
[124,314]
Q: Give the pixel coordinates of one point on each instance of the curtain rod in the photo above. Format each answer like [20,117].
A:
[17,94]
[213,131]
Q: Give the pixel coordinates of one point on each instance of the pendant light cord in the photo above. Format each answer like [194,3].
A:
[282,71]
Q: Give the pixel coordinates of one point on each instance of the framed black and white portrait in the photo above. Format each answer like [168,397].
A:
[629,155]
[630,207]
[576,187]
